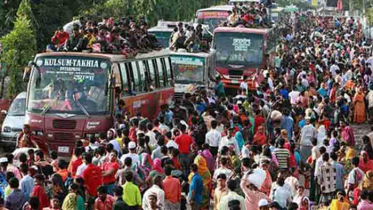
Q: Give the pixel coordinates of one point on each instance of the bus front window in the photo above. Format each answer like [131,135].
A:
[188,70]
[163,37]
[238,48]
[76,85]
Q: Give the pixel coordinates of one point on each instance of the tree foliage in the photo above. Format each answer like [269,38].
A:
[19,47]
[152,10]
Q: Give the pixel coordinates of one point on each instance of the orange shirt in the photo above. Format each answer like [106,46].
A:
[63,173]
[172,189]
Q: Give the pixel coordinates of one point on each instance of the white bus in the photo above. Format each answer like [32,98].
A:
[193,71]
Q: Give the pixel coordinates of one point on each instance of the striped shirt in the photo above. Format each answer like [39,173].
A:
[282,156]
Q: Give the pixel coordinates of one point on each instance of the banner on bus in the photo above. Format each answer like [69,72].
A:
[217,14]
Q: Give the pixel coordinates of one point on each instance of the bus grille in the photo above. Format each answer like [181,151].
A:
[64,124]
[63,136]
[235,72]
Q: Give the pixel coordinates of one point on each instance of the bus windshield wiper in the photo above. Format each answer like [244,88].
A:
[49,106]
[228,58]
[82,107]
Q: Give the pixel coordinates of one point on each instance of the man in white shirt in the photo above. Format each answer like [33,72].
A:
[150,133]
[319,161]
[232,197]
[70,26]
[281,194]
[294,96]
[213,138]
[228,141]
[132,154]
[223,169]
[156,189]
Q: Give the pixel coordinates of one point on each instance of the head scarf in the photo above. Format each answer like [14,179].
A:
[305,198]
[157,166]
[70,202]
[368,181]
[350,153]
[202,164]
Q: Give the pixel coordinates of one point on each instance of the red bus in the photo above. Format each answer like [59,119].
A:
[243,52]
[72,96]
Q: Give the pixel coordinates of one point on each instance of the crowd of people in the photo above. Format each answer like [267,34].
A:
[286,145]
[125,36]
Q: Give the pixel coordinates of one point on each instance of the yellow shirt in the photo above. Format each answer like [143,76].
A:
[131,194]
[338,205]
[120,141]
[218,194]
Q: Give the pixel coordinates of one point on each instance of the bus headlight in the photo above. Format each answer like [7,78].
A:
[40,133]
[77,136]
[7,129]
[97,135]
[89,135]
[50,136]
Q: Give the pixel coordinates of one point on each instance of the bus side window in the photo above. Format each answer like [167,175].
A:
[117,76]
[136,78]
[152,74]
[170,75]
[142,76]
[125,78]
[160,67]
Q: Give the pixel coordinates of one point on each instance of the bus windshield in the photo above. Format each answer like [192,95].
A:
[188,69]
[18,107]
[69,84]
[212,18]
[238,48]
[163,37]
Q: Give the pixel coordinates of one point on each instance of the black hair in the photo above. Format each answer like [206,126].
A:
[128,176]
[168,170]
[88,158]
[118,191]
[10,158]
[128,161]
[24,168]
[232,185]
[54,155]
[14,183]
[194,167]
[22,158]
[355,161]
[102,189]
[34,202]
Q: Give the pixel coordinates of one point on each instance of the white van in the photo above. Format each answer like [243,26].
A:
[13,123]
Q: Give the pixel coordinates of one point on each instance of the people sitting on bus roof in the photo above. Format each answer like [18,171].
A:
[251,16]
[188,38]
[126,37]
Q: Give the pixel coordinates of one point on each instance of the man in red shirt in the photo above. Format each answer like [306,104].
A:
[258,120]
[172,190]
[92,176]
[109,169]
[40,192]
[77,162]
[184,141]
[104,201]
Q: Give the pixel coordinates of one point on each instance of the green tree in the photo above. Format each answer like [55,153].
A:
[19,47]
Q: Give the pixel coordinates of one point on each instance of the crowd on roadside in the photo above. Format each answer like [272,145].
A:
[286,145]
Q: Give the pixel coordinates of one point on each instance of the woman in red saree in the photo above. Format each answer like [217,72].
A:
[365,163]
[359,107]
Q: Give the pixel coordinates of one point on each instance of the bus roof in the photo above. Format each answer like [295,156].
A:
[199,54]
[217,8]
[242,30]
[243,1]
[160,29]
[111,57]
